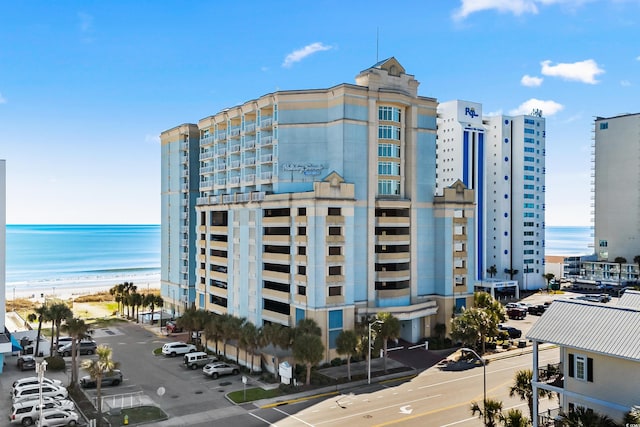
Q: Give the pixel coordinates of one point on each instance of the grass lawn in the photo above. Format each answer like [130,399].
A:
[141,414]
[254,394]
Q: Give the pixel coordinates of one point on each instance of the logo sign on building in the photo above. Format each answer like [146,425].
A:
[471,112]
[304,168]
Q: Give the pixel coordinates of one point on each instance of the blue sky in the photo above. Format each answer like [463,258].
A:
[86,87]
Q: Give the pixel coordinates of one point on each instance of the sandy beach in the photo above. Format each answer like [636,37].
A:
[68,289]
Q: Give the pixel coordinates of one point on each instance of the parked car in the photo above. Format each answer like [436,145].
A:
[197,359]
[27,412]
[58,417]
[172,327]
[27,393]
[513,332]
[26,362]
[109,378]
[174,348]
[34,381]
[214,370]
[83,347]
[516,313]
[537,310]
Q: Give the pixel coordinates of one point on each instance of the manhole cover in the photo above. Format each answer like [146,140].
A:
[198,392]
[108,332]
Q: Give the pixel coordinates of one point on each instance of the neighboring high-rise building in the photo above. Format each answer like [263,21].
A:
[503,159]
[5,338]
[616,187]
[179,190]
[321,204]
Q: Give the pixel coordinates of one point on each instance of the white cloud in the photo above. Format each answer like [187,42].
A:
[549,108]
[154,139]
[531,81]
[625,83]
[300,54]
[493,113]
[582,71]
[516,7]
[3,100]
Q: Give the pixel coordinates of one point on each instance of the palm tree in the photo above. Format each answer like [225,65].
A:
[583,417]
[138,301]
[347,343]
[235,325]
[492,270]
[514,418]
[250,341]
[308,349]
[511,272]
[40,314]
[490,412]
[96,369]
[56,314]
[117,291]
[77,329]
[213,329]
[389,329]
[549,277]
[278,336]
[160,304]
[522,388]
[620,260]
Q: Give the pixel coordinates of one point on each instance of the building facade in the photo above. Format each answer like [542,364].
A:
[321,204]
[503,159]
[616,187]
[5,338]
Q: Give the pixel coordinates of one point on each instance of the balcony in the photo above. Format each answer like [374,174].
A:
[221,136]
[221,166]
[266,176]
[274,258]
[266,158]
[234,164]
[221,182]
[207,140]
[250,127]
[275,276]
[235,148]
[392,276]
[266,141]
[249,180]
[275,295]
[388,239]
[393,221]
[257,196]
[235,131]
[206,155]
[249,161]
[395,257]
[551,374]
[335,239]
[221,151]
[335,220]
[230,198]
[206,185]
[243,197]
[250,144]
[548,417]
[207,170]
[266,122]
[273,316]
[184,146]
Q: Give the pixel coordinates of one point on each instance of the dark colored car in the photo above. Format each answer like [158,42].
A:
[537,310]
[516,313]
[109,378]
[513,332]
[83,347]
[26,362]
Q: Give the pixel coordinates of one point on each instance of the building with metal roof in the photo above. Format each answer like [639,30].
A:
[599,365]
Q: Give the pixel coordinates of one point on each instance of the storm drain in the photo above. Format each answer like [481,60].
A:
[222,384]
[198,392]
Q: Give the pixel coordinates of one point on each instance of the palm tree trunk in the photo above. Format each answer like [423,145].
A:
[38,337]
[384,348]
[349,367]
[308,373]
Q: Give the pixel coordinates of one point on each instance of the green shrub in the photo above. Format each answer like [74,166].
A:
[336,362]
[55,363]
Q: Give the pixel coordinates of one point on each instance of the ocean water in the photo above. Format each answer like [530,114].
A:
[47,255]
[42,256]
[568,241]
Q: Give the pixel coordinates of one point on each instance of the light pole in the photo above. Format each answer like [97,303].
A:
[41,368]
[369,345]
[484,383]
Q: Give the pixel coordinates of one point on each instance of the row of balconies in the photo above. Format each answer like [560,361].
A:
[234,164]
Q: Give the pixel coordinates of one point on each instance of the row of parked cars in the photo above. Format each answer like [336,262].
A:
[57,409]
[194,359]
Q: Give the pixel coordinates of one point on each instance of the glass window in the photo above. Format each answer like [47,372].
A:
[528,186]
[530,168]
[581,367]
[388,168]
[529,159]
[388,150]
[389,132]
[391,114]
[335,291]
[530,131]
[528,196]
[388,187]
[529,150]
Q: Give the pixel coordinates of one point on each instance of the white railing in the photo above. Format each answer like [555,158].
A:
[234,148]
[250,161]
[243,197]
[123,401]
[222,182]
[266,158]
[249,179]
[257,196]
[228,198]
[184,146]
[207,140]
[266,140]
[221,136]
[266,175]
[206,155]
[207,169]
[221,166]
[234,180]
[234,131]
[249,143]
[266,122]
[221,151]
[250,127]
[234,164]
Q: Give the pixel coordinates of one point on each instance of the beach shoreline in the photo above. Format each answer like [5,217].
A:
[69,289]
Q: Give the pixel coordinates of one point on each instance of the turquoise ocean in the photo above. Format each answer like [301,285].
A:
[45,256]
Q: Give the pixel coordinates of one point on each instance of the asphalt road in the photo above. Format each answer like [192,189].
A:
[434,398]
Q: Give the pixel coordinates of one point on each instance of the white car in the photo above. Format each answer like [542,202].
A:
[58,417]
[26,412]
[28,393]
[174,348]
[34,380]
[214,370]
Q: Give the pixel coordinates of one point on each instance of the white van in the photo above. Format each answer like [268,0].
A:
[197,359]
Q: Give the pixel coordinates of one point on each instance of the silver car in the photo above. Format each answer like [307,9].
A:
[214,370]
[58,417]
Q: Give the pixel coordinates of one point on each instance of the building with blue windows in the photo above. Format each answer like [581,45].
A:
[502,158]
[319,204]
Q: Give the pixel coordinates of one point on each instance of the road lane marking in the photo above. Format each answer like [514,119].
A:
[292,416]
[377,409]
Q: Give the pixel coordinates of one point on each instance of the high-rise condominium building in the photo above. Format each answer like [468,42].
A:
[319,204]
[5,339]
[502,158]
[616,187]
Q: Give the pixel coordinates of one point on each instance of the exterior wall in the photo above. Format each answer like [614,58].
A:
[617,205]
[3,238]
[179,177]
[615,385]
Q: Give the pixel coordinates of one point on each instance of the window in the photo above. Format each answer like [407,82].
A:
[388,187]
[529,121]
[528,186]
[336,270]
[530,131]
[302,290]
[529,149]
[302,231]
[388,150]
[302,270]
[302,250]
[388,168]
[335,250]
[529,140]
[335,231]
[334,211]
[335,326]
[389,132]
[529,178]
[528,242]
[335,291]
[528,196]
[529,159]
[302,211]
[604,126]
[529,168]
[391,114]
[528,205]
[581,367]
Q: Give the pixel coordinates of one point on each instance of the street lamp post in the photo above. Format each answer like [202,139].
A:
[41,368]
[484,383]
[369,345]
